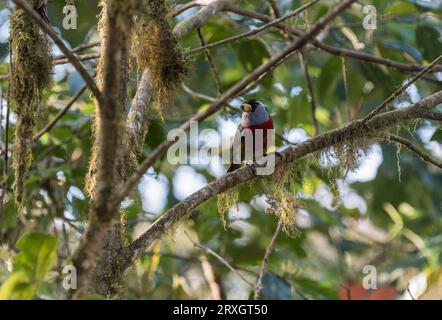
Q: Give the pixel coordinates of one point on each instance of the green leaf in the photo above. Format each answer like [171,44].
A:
[15,279]
[37,255]
[251,54]
[429,42]
[399,8]
[315,289]
[331,73]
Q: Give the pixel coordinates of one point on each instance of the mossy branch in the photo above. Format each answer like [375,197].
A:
[235,90]
[351,132]
[137,120]
[107,155]
[31,73]
[60,44]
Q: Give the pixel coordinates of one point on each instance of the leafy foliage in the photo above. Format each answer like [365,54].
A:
[387,213]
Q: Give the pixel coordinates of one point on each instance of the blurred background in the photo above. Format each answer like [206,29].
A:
[387,213]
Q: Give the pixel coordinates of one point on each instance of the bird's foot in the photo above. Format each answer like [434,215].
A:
[252,165]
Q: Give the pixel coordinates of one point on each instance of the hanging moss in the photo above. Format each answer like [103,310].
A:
[157,49]
[225,201]
[31,72]
[117,13]
[282,201]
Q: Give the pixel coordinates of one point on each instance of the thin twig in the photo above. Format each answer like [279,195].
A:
[85,46]
[413,148]
[265,261]
[338,51]
[60,114]
[346,91]
[274,11]
[83,57]
[80,48]
[60,44]
[252,32]
[409,292]
[221,259]
[311,95]
[211,278]
[401,89]
[184,7]
[211,63]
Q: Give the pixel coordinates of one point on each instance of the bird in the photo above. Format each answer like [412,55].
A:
[255,115]
[41,7]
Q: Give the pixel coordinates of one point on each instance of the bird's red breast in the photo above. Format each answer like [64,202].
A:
[264,126]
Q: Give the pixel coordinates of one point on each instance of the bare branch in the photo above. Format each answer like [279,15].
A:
[83,57]
[72,58]
[211,63]
[211,278]
[311,95]
[274,11]
[402,89]
[200,18]
[221,259]
[412,148]
[60,114]
[186,6]
[347,96]
[254,31]
[265,261]
[344,52]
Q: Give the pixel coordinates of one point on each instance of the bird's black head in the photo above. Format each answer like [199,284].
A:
[250,105]
[254,112]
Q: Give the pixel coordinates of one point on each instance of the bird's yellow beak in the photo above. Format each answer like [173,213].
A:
[246,107]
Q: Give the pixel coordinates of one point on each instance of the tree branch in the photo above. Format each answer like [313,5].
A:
[350,132]
[60,114]
[412,148]
[256,75]
[68,53]
[254,31]
[359,55]
[200,18]
[221,259]
[311,95]
[137,120]
[265,261]
[212,66]
[402,89]
[115,32]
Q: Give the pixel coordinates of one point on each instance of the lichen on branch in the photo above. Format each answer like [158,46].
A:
[157,49]
[31,73]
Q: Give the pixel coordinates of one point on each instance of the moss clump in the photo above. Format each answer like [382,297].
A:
[31,72]
[225,201]
[283,203]
[114,13]
[158,50]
